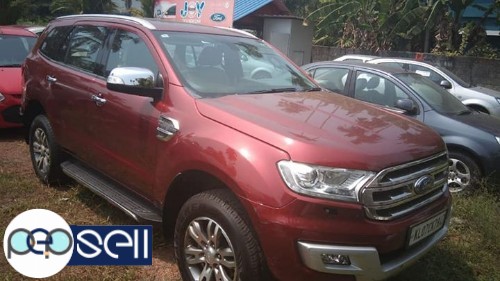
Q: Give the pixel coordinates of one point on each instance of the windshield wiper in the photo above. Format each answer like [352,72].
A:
[11,65]
[315,89]
[274,90]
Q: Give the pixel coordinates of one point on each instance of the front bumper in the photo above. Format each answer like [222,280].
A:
[292,236]
[9,112]
[365,262]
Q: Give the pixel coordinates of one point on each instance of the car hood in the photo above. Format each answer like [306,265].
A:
[325,129]
[481,121]
[487,91]
[10,80]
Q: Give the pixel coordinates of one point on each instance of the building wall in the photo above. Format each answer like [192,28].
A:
[483,72]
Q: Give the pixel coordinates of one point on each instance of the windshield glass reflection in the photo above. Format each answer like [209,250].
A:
[438,98]
[215,65]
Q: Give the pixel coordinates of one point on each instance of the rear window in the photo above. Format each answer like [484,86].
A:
[14,49]
[55,44]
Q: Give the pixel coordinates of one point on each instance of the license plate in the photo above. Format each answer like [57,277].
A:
[427,228]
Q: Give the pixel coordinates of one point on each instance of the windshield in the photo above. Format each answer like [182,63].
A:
[454,77]
[438,98]
[215,65]
[14,49]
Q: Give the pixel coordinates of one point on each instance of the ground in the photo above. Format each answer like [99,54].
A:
[20,191]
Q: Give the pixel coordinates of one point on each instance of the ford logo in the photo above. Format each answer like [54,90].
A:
[423,184]
[218,17]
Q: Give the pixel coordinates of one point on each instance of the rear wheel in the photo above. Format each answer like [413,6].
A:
[46,155]
[214,241]
[464,172]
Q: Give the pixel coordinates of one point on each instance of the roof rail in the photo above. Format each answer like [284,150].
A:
[238,31]
[140,21]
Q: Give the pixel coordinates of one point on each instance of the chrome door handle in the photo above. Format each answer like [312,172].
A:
[51,79]
[98,100]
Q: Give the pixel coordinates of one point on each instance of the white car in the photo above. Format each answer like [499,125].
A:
[356,58]
[477,98]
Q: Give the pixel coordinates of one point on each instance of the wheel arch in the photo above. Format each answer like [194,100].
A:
[184,186]
[467,151]
[30,111]
[477,104]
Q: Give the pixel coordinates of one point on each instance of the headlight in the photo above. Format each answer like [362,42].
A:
[326,182]
[498,139]
[1,97]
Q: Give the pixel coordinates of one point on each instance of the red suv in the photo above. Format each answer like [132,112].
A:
[255,176]
[15,43]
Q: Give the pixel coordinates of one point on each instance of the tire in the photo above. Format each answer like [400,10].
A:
[46,155]
[214,241]
[465,174]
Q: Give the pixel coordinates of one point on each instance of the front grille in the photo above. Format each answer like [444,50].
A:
[392,193]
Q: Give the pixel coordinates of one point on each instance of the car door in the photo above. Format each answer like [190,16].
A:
[121,125]
[381,90]
[70,79]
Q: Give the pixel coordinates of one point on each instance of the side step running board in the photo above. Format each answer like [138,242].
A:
[113,192]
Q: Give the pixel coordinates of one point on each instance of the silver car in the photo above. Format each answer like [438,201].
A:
[477,98]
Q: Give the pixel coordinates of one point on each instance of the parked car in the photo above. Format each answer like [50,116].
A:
[477,98]
[15,43]
[356,58]
[251,176]
[472,138]
[36,29]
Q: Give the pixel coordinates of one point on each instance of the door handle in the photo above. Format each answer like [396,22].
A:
[99,101]
[51,79]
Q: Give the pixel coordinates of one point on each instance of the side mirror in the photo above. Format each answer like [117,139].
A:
[244,57]
[407,105]
[135,81]
[445,84]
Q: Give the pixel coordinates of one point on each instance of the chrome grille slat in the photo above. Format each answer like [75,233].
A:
[391,193]
[410,177]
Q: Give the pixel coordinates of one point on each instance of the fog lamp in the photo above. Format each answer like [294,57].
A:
[335,259]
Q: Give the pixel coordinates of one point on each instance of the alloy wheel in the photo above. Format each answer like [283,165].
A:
[209,252]
[41,151]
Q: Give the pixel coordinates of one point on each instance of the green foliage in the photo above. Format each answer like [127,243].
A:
[367,24]
[33,11]
[68,7]
[302,8]
[377,25]
[147,8]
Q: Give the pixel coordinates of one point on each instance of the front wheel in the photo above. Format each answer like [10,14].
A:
[464,172]
[46,155]
[214,241]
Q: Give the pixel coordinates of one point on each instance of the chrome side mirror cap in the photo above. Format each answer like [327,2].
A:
[135,81]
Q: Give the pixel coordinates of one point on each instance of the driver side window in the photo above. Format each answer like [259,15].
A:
[377,89]
[129,50]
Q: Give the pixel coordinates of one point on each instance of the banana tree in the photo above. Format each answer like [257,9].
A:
[368,24]
[65,7]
